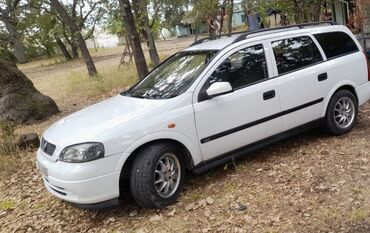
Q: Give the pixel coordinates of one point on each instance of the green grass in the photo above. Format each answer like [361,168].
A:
[7,204]
[359,214]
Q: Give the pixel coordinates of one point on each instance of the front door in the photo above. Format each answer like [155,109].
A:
[246,115]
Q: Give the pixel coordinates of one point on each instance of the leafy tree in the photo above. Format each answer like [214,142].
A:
[86,14]
[129,22]
[142,19]
[114,23]
[4,51]
[38,37]
[298,11]
[206,11]
[230,12]
[172,11]
[76,32]
[9,16]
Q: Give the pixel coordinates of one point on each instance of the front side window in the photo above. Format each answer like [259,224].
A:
[336,44]
[242,68]
[295,53]
[173,77]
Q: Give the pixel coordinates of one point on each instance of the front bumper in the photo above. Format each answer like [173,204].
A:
[81,183]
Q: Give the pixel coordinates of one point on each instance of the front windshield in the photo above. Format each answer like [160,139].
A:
[173,77]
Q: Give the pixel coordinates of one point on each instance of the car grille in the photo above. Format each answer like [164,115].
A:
[47,147]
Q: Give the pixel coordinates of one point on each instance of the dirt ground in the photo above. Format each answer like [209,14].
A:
[310,183]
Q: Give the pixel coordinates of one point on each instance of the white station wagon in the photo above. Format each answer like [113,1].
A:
[214,101]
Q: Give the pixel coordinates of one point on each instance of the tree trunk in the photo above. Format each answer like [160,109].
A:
[15,43]
[317,10]
[128,18]
[219,20]
[210,23]
[20,102]
[230,18]
[246,12]
[74,50]
[298,17]
[149,37]
[164,38]
[63,48]
[140,10]
[77,34]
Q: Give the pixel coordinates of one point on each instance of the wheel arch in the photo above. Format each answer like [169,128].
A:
[348,85]
[190,150]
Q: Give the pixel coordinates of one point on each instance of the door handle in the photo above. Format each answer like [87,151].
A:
[269,95]
[322,77]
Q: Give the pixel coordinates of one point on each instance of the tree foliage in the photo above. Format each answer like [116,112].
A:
[298,11]
[172,11]
[11,16]
[114,23]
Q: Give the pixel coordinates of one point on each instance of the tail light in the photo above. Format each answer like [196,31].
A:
[368,65]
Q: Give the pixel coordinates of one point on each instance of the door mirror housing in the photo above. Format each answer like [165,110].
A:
[219,88]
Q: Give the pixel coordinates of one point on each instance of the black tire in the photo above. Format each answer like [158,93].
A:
[142,177]
[331,124]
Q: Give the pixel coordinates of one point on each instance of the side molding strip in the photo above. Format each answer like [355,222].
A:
[245,150]
[260,121]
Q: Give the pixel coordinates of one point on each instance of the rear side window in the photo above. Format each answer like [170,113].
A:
[336,44]
[295,53]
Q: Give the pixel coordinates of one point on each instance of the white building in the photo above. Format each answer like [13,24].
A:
[102,39]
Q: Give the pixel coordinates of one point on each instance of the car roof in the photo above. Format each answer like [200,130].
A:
[216,44]
[221,41]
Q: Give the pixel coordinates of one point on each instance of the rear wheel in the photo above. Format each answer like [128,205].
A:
[157,175]
[342,113]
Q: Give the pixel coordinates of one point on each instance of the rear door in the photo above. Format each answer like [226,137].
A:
[302,77]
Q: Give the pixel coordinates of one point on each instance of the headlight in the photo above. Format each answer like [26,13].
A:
[84,152]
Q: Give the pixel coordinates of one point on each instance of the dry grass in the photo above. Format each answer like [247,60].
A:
[109,79]
[9,153]
[39,63]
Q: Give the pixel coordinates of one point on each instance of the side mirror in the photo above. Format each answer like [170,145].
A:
[219,88]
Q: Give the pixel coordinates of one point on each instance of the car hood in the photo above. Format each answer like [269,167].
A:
[87,124]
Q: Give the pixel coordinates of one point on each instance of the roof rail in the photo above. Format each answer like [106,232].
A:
[272,30]
[243,35]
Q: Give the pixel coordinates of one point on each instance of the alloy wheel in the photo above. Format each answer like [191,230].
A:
[344,112]
[167,175]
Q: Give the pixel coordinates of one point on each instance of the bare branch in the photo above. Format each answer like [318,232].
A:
[90,11]
[74,6]
[81,23]
[91,32]
[65,33]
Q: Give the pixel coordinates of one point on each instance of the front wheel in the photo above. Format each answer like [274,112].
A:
[157,175]
[342,113]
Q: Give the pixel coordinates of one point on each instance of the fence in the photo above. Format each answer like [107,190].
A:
[365,42]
